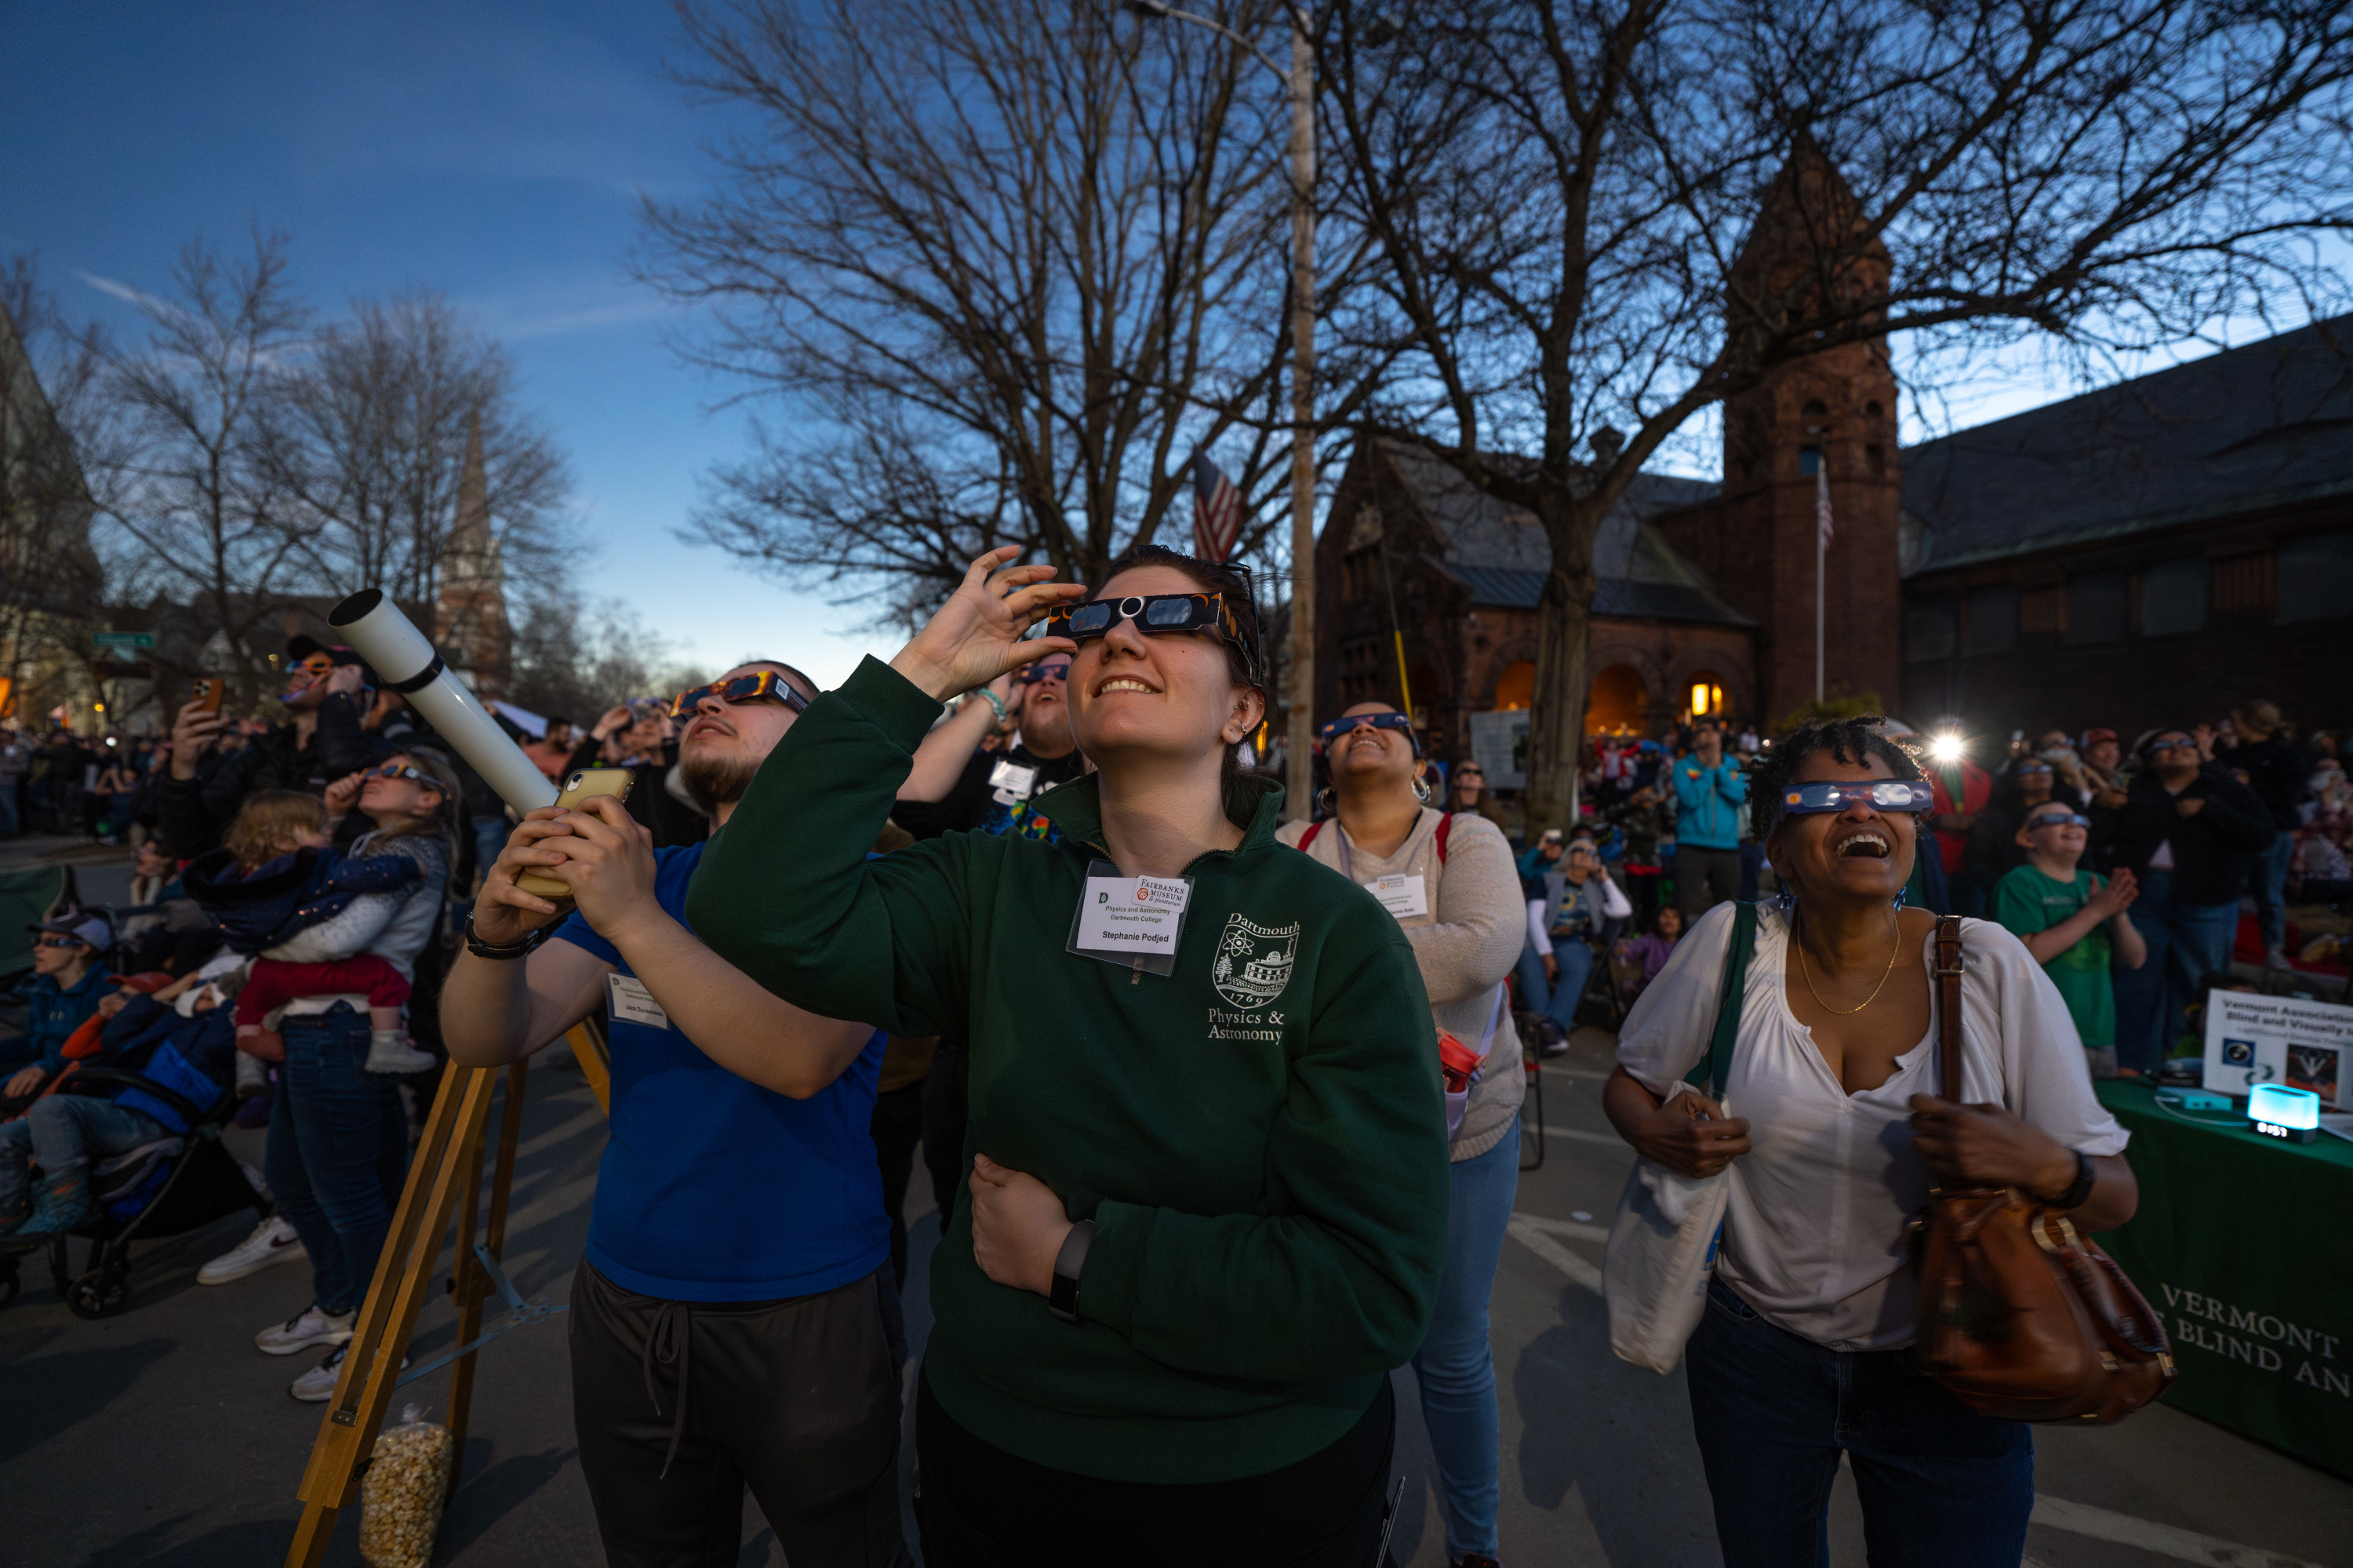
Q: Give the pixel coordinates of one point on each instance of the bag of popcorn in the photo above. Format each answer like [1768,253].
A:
[400,1500]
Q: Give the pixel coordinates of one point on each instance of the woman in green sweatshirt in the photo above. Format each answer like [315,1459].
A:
[1210,1182]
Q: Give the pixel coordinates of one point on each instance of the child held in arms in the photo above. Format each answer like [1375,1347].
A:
[277,887]
[2072,922]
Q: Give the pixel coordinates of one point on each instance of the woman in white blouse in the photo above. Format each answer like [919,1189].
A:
[1833,1136]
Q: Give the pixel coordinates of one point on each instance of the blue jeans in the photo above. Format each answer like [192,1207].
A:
[63,1133]
[1456,1366]
[1576,961]
[489,838]
[2271,888]
[1535,989]
[2187,942]
[338,1152]
[1941,1486]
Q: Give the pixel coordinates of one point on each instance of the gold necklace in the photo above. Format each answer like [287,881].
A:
[1896,946]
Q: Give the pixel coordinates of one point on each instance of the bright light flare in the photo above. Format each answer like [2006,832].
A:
[1946,749]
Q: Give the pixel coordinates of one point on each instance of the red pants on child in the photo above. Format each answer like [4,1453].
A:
[273,981]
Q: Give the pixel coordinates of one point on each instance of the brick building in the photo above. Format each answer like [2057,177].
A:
[1467,571]
[2147,553]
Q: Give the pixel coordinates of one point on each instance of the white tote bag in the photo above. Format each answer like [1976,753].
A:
[1662,1242]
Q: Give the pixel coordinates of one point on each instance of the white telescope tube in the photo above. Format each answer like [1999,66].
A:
[407,664]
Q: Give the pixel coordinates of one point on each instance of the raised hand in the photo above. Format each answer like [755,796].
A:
[977,636]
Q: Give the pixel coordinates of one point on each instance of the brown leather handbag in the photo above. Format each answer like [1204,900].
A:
[2020,1316]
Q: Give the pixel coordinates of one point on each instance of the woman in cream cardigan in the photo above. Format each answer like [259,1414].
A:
[1456,896]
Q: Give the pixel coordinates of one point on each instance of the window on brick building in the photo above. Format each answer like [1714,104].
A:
[1810,461]
[2042,612]
[2099,608]
[2316,577]
[1992,619]
[1929,627]
[1517,687]
[2173,598]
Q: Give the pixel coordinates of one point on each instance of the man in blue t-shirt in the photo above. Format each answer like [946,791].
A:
[738,1222]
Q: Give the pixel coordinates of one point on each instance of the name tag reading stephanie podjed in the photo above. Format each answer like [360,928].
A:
[1132,915]
[1402,896]
[633,1002]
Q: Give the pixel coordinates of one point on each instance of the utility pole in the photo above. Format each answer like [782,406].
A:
[1299,82]
[1300,752]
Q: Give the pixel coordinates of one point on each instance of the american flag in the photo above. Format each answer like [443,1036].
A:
[1822,502]
[1216,511]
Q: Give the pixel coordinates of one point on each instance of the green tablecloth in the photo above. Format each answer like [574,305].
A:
[2245,1245]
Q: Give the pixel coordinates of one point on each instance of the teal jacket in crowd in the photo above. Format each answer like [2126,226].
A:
[1710,799]
[52,1012]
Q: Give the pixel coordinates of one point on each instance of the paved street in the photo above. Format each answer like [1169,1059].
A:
[161,1439]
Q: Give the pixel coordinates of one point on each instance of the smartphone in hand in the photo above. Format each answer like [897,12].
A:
[585,784]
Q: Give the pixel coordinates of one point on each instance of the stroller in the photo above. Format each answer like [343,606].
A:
[174,1184]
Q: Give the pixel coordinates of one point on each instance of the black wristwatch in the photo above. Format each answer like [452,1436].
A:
[2080,1188]
[1064,1302]
[481,949]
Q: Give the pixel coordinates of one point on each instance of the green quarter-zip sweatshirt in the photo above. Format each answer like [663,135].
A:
[1261,1142]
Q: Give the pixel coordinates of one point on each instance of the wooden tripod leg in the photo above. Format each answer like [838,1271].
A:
[588,1050]
[379,1339]
[473,1283]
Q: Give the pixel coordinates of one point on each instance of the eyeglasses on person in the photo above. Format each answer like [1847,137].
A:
[1044,670]
[2057,820]
[1882,794]
[741,688]
[1156,613]
[401,770]
[1333,731]
[60,942]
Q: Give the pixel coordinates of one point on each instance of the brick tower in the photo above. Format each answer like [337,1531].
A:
[470,615]
[1833,409]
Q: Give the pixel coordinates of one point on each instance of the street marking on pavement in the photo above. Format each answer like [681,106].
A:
[1579,1271]
[1576,1072]
[1570,1228]
[2124,1529]
[1581,1136]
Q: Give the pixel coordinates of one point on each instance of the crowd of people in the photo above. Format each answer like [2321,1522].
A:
[1221,1112]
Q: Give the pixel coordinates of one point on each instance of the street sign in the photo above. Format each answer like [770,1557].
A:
[123,639]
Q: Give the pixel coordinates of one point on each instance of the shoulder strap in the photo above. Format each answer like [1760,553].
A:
[1445,826]
[1710,1072]
[1308,838]
[1949,965]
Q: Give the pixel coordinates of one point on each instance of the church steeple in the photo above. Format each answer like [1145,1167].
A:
[471,611]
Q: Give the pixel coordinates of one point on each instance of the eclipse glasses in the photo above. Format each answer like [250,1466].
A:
[741,688]
[1340,726]
[1155,614]
[1882,794]
[2057,820]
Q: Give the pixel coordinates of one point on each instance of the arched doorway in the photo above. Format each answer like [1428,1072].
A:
[1615,704]
[1517,687]
[1702,695]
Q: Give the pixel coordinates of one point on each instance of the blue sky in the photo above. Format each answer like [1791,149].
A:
[493,151]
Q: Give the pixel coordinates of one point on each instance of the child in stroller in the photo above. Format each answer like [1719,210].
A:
[278,888]
[92,1118]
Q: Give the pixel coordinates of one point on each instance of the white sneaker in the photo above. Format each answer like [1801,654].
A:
[2276,959]
[318,1384]
[391,1053]
[308,1327]
[272,1241]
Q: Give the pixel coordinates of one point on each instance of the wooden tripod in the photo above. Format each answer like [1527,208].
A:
[445,1174]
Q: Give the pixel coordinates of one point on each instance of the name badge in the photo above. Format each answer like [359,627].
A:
[1012,783]
[1403,896]
[632,1003]
[1131,921]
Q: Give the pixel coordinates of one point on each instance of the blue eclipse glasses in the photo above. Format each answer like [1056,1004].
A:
[2057,820]
[1882,794]
[1340,726]
[1044,669]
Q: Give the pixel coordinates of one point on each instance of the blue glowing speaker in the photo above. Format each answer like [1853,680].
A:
[2290,1115]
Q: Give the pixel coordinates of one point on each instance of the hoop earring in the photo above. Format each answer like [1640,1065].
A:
[1325,805]
[1899,896]
[1785,900]
[1421,790]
